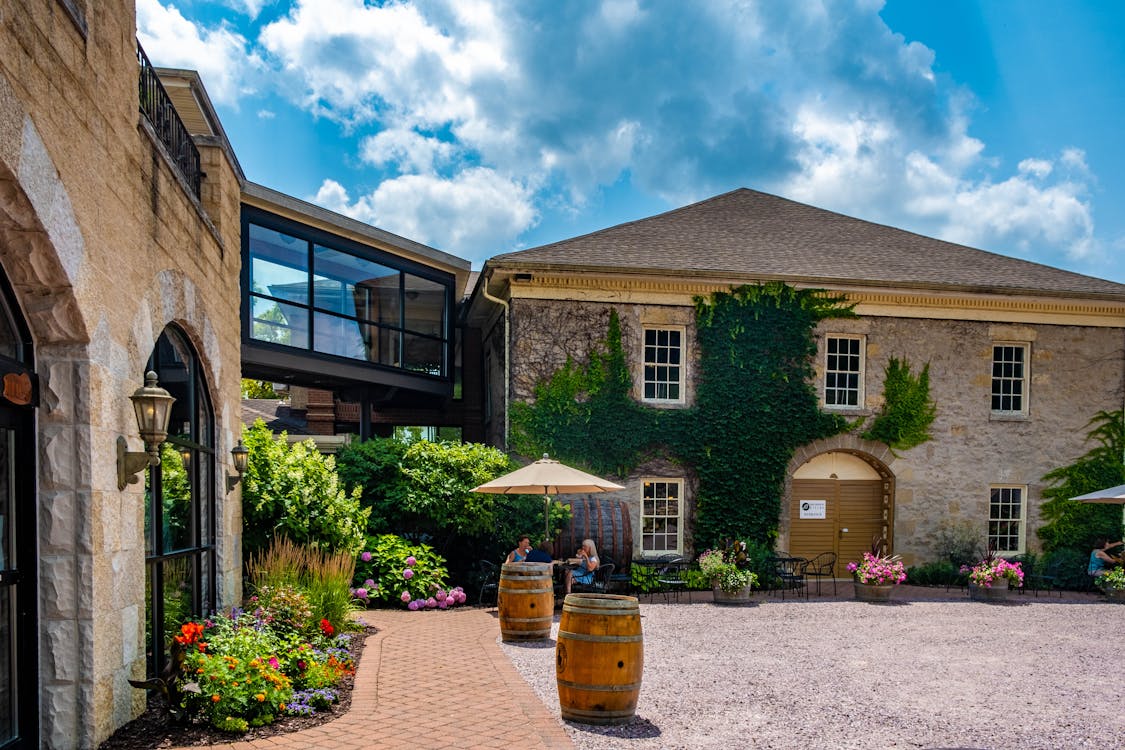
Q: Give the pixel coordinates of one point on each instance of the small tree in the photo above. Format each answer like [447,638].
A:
[1076,525]
[294,490]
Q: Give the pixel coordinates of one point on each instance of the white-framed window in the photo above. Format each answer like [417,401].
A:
[662,509]
[843,372]
[1007,509]
[663,378]
[1009,378]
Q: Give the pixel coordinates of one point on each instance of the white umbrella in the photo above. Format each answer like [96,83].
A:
[1109,496]
[546,477]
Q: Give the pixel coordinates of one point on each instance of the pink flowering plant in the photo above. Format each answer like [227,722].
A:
[392,572]
[992,569]
[877,567]
[722,568]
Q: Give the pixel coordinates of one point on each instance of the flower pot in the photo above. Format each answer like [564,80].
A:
[1115,595]
[997,592]
[874,592]
[740,598]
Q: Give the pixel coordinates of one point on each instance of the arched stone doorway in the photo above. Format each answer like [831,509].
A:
[839,502]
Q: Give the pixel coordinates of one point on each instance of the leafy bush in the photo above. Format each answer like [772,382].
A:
[422,492]
[394,572]
[1069,566]
[908,410]
[958,541]
[1068,524]
[940,573]
[293,490]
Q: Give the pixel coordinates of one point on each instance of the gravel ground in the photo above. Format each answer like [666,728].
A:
[1029,674]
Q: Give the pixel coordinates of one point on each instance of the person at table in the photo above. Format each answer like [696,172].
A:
[519,554]
[587,564]
[541,554]
[1101,562]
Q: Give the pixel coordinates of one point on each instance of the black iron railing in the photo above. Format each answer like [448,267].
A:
[157,108]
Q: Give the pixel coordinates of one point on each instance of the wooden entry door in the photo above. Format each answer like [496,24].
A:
[852,515]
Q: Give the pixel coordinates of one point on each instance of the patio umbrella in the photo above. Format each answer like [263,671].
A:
[546,477]
[1109,496]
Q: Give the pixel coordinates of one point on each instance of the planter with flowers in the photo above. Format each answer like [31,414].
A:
[877,575]
[993,578]
[1113,583]
[731,584]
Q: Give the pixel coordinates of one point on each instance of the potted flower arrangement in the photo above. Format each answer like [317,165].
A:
[993,577]
[730,583]
[1113,583]
[877,574]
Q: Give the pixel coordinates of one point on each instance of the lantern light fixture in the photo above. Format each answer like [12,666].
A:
[241,457]
[153,406]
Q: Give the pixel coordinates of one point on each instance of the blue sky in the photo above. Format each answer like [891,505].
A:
[484,126]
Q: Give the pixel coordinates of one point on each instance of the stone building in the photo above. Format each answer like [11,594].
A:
[1021,356]
[119,253]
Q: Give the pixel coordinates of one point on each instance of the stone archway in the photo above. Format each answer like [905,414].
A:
[839,496]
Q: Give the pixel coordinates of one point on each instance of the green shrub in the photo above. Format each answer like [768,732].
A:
[940,573]
[959,542]
[1069,566]
[389,566]
[293,490]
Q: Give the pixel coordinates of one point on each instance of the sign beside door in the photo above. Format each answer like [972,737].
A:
[814,508]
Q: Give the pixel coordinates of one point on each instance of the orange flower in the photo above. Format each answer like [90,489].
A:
[199,671]
[215,698]
[261,697]
[192,631]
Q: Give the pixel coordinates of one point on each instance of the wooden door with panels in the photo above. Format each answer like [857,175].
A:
[837,505]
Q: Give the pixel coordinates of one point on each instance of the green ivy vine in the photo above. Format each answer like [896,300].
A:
[755,405]
[908,411]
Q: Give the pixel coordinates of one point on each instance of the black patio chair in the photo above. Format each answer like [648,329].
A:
[790,571]
[489,583]
[822,566]
[669,576]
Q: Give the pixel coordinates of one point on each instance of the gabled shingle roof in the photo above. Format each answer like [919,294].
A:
[748,233]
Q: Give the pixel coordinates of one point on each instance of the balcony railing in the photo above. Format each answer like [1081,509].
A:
[157,108]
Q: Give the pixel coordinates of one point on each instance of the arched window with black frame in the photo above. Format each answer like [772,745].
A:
[179,502]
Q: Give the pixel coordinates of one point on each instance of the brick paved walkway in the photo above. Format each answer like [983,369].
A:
[432,680]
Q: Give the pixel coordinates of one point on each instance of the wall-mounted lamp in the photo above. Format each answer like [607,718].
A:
[241,457]
[153,406]
[185,457]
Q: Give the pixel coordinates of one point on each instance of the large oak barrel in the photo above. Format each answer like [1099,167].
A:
[604,520]
[599,658]
[525,599]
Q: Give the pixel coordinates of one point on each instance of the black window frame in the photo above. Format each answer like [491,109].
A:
[201,470]
[284,360]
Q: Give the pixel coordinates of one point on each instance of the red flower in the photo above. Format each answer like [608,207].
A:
[326,627]
[192,632]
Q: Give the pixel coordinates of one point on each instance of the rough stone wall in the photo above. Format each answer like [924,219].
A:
[104,249]
[1075,371]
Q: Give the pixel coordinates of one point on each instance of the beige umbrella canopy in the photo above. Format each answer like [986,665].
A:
[546,477]
[1109,496]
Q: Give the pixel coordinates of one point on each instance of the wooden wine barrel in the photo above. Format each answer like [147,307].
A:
[604,520]
[599,658]
[525,599]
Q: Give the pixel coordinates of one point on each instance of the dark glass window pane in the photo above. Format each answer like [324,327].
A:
[423,355]
[279,265]
[425,306]
[355,287]
[176,487]
[338,336]
[279,323]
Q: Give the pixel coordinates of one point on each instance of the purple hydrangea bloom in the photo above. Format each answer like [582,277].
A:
[361,593]
[410,560]
[413,606]
[443,604]
[405,596]
[408,574]
[365,556]
[440,595]
[431,602]
[369,584]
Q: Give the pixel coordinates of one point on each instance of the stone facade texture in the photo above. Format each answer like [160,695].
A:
[1074,372]
[104,248]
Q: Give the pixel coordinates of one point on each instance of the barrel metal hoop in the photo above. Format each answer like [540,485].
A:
[601,638]
[625,688]
[526,591]
[528,619]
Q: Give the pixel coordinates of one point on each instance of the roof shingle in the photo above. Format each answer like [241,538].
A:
[749,233]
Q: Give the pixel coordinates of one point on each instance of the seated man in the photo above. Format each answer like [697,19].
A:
[541,554]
